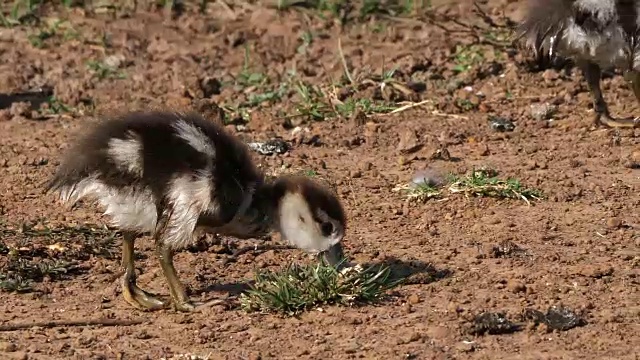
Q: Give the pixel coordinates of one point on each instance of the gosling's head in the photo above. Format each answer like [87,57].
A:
[310,216]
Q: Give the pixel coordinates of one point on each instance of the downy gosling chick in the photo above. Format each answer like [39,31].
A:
[596,34]
[169,174]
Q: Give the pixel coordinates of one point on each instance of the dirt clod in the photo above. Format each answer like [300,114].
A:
[614,222]
[413,299]
[20,109]
[6,346]
[409,143]
[516,286]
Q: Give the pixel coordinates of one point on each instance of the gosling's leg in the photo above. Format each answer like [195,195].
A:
[165,253]
[633,79]
[132,293]
[592,74]
[179,296]
[181,301]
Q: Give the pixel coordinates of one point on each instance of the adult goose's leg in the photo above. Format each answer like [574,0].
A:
[592,74]
[633,79]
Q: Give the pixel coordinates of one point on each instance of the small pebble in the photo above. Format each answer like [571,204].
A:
[413,299]
[413,337]
[543,111]
[516,286]
[466,347]
[614,223]
[632,161]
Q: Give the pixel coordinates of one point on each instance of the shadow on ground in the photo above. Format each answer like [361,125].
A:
[31,254]
[412,271]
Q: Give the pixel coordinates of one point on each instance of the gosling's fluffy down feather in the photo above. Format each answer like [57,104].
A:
[146,163]
[604,32]
[170,174]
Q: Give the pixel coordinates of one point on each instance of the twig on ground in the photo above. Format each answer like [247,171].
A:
[409,106]
[60,323]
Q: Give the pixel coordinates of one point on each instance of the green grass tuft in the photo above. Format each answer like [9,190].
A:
[299,288]
[487,183]
[484,182]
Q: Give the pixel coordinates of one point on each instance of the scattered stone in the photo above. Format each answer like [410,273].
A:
[414,336]
[20,109]
[273,146]
[632,161]
[453,308]
[596,272]
[492,69]
[543,111]
[492,324]
[114,61]
[501,124]
[413,299]
[409,142]
[556,318]
[5,114]
[441,153]
[485,151]
[614,223]
[7,346]
[454,85]
[466,346]
[506,248]
[210,86]
[516,286]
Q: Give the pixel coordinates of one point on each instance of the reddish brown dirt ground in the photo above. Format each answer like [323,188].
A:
[582,240]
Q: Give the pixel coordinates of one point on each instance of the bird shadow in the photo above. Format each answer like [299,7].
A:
[411,271]
[405,272]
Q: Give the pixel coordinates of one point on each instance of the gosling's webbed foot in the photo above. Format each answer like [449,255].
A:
[195,306]
[610,122]
[140,298]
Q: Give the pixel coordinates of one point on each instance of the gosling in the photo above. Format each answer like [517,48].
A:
[170,174]
[596,34]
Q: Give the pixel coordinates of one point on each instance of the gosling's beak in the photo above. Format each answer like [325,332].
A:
[334,255]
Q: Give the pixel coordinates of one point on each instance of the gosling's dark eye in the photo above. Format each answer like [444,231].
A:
[326,228]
